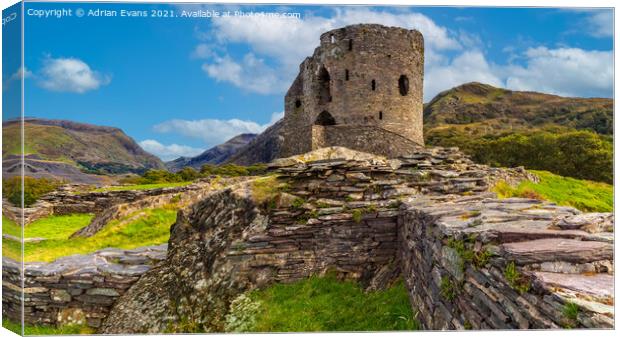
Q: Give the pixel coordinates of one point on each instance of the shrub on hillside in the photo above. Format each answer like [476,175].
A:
[232,170]
[578,154]
[190,174]
[34,188]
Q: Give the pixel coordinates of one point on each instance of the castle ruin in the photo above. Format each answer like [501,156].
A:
[361,89]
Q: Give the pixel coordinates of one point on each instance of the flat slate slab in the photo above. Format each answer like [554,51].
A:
[598,285]
[557,249]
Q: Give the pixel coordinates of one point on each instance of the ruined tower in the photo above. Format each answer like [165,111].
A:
[362,89]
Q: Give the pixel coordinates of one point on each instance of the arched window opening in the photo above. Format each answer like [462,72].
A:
[346,74]
[373,85]
[403,85]
[332,38]
[325,119]
[298,103]
[350,44]
[380,114]
[324,86]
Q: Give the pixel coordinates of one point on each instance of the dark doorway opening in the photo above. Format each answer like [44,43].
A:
[380,114]
[373,85]
[325,95]
[325,118]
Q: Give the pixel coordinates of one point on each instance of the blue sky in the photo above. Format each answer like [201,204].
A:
[181,85]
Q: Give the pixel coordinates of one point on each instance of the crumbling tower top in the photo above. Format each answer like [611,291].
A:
[362,89]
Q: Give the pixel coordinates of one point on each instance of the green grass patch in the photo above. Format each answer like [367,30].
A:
[516,280]
[448,288]
[585,195]
[47,330]
[141,187]
[10,227]
[570,311]
[265,189]
[327,304]
[142,228]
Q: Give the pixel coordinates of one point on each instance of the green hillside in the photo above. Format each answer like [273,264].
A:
[499,109]
[95,149]
[567,136]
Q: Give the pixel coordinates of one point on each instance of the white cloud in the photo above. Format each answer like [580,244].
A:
[469,66]
[289,40]
[451,57]
[69,75]
[563,71]
[169,152]
[16,76]
[601,23]
[251,74]
[214,131]
[203,51]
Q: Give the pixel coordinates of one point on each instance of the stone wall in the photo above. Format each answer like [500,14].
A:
[363,138]
[483,263]
[469,260]
[71,199]
[331,215]
[78,289]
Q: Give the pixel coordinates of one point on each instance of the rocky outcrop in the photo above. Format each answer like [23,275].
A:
[323,215]
[177,197]
[483,263]
[78,289]
[74,198]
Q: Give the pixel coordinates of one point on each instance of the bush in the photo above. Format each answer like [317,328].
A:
[578,154]
[34,188]
[232,170]
[190,174]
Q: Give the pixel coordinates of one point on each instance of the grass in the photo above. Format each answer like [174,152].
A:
[570,311]
[10,227]
[141,187]
[448,289]
[327,304]
[265,189]
[142,228]
[585,195]
[516,280]
[47,330]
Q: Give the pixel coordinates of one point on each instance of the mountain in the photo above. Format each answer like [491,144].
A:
[262,149]
[215,155]
[481,106]
[90,148]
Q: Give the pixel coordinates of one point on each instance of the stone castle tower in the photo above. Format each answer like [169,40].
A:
[362,89]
